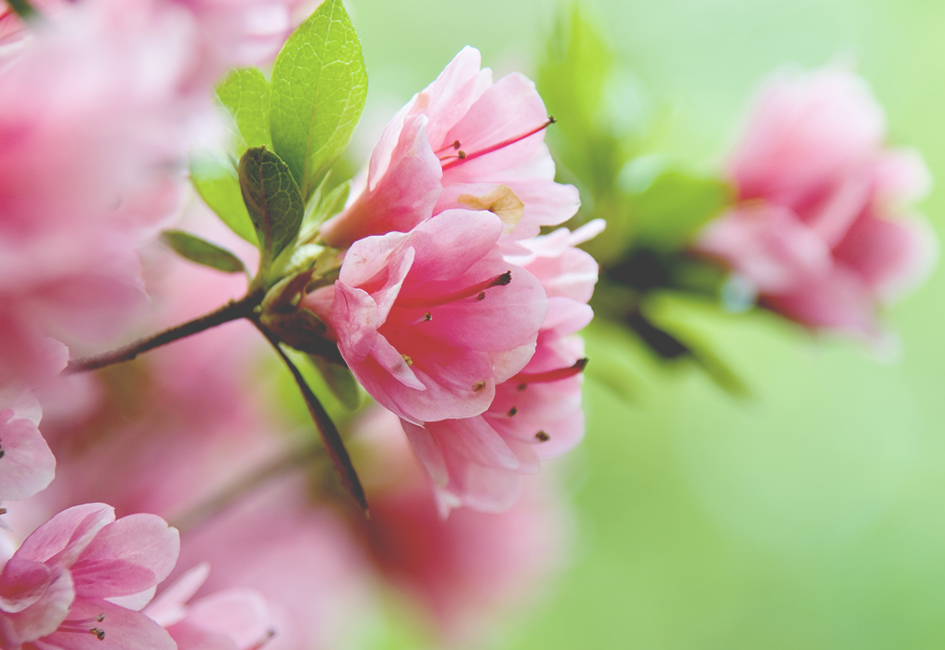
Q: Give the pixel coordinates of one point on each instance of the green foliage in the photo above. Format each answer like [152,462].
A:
[245,94]
[273,200]
[203,252]
[339,379]
[217,182]
[318,89]
[667,214]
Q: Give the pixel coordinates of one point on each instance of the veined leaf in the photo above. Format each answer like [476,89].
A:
[203,252]
[318,90]
[217,182]
[273,201]
[245,93]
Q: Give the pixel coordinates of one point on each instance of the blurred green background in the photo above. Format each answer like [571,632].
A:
[811,515]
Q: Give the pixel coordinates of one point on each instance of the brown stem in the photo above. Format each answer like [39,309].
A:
[244,485]
[233,310]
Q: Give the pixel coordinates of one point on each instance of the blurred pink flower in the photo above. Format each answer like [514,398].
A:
[83,575]
[294,550]
[92,123]
[239,33]
[26,464]
[172,431]
[819,229]
[431,320]
[478,461]
[459,140]
[467,570]
[234,619]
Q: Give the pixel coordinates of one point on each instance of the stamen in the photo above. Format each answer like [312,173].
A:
[513,411]
[478,386]
[463,156]
[407,360]
[542,436]
[551,375]
[468,292]
[454,146]
[81,626]
[423,319]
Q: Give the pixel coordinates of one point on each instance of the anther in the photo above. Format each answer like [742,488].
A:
[513,411]
[481,296]
[479,386]
[423,319]
[455,145]
[98,633]
[522,386]
[542,436]
[463,156]
[407,359]
[551,375]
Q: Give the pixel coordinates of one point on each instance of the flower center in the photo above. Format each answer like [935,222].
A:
[453,159]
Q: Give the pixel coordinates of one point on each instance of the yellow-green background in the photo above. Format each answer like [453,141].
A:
[811,516]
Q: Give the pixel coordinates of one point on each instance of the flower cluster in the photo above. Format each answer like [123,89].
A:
[450,309]
[818,229]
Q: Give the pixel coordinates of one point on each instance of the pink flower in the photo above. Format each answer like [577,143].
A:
[468,569]
[479,461]
[81,576]
[432,320]
[818,229]
[26,464]
[461,141]
[93,120]
[234,619]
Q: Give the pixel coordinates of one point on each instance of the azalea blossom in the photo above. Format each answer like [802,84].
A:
[83,575]
[463,142]
[479,461]
[822,229]
[464,571]
[432,320]
[26,464]
[233,619]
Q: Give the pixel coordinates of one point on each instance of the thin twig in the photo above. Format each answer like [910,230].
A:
[242,486]
[233,310]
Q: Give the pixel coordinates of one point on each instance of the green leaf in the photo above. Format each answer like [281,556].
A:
[318,89]
[273,201]
[574,74]
[339,379]
[217,182]
[668,213]
[245,93]
[203,252]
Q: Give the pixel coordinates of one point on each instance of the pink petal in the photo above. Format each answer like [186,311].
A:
[62,539]
[124,629]
[473,440]
[27,465]
[397,201]
[43,616]
[768,245]
[127,556]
